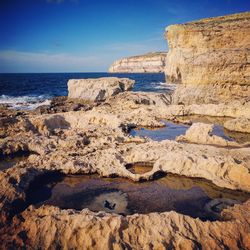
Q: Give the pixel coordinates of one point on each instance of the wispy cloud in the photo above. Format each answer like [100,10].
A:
[151,44]
[95,58]
[17,60]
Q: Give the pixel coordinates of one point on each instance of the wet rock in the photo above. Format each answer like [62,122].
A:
[216,206]
[63,104]
[9,120]
[50,227]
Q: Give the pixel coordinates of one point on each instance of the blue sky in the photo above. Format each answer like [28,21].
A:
[88,35]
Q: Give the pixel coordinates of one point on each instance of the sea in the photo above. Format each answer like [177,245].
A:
[28,91]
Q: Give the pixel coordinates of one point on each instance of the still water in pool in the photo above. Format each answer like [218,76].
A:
[188,196]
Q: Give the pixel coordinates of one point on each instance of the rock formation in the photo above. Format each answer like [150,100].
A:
[98,89]
[96,141]
[201,133]
[90,135]
[150,63]
[241,124]
[210,57]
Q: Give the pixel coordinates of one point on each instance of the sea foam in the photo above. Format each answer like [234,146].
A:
[25,102]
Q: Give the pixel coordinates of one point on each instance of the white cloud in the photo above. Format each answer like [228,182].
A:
[97,58]
[16,61]
[151,44]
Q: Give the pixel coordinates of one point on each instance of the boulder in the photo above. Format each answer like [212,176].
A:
[97,90]
[202,133]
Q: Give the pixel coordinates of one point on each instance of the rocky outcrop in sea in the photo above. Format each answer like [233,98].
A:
[86,89]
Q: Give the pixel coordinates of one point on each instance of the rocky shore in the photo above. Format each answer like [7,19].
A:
[210,57]
[89,133]
[148,63]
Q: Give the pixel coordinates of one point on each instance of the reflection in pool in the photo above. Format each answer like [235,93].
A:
[219,129]
[170,131]
[188,196]
[7,162]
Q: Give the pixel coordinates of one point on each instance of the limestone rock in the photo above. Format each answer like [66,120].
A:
[233,109]
[210,51]
[201,133]
[98,89]
[210,57]
[63,104]
[151,62]
[212,93]
[240,124]
[97,141]
[49,228]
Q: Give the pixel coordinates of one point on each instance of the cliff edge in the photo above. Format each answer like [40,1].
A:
[148,63]
[213,54]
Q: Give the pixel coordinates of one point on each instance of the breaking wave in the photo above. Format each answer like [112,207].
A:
[164,86]
[25,102]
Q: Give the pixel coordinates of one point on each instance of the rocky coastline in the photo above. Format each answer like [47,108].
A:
[88,133]
[148,63]
[210,57]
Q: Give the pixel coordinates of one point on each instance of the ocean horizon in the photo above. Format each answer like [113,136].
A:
[30,90]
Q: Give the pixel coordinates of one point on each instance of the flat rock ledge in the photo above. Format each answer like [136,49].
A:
[97,90]
[96,140]
[209,57]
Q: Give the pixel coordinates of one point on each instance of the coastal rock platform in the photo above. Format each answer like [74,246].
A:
[97,141]
[62,140]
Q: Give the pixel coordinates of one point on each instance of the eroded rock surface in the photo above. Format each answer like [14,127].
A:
[210,57]
[201,133]
[94,139]
[98,89]
[150,63]
[50,227]
[210,51]
[241,124]
[64,104]
[213,93]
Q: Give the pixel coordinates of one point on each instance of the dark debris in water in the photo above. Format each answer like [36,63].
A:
[184,195]
[8,161]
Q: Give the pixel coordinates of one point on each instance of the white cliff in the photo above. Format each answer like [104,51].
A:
[151,63]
